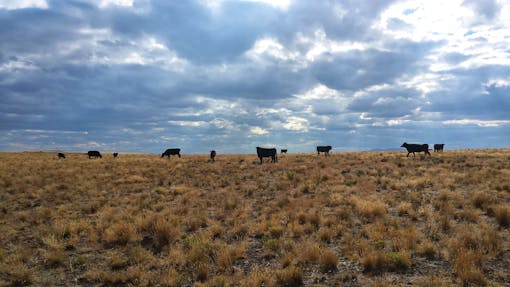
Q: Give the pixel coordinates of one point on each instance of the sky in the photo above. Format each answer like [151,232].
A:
[230,75]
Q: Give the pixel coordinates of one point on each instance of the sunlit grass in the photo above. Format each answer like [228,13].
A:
[353,219]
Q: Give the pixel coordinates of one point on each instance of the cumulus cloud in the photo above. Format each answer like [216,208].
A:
[224,74]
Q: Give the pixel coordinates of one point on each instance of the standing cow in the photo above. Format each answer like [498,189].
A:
[267,152]
[212,155]
[438,147]
[412,148]
[324,149]
[115,154]
[283,151]
[94,154]
[172,151]
[61,155]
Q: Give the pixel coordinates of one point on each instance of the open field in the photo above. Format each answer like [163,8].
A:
[352,219]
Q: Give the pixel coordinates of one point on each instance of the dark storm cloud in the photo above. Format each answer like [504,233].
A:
[387,103]
[164,73]
[358,69]
[471,95]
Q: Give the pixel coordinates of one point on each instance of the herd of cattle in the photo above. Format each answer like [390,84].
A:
[272,153]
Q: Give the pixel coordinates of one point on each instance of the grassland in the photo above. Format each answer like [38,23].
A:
[352,219]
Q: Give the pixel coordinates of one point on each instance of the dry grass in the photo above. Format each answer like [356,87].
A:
[352,219]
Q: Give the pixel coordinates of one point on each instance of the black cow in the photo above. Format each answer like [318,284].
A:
[61,155]
[438,147]
[267,152]
[94,153]
[283,151]
[115,154]
[412,148]
[212,155]
[324,149]
[172,151]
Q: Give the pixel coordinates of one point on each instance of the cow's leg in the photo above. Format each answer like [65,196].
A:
[260,159]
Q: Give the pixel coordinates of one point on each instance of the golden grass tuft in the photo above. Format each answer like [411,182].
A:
[291,277]
[121,233]
[502,215]
[328,261]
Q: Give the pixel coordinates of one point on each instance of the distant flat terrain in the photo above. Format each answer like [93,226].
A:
[351,219]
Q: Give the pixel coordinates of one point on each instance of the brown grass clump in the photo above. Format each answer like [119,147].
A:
[351,219]
[369,209]
[480,200]
[291,277]
[328,261]
[121,233]
[378,262]
[502,215]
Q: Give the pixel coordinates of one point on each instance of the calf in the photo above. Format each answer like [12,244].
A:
[212,155]
[283,151]
[61,155]
[172,151]
[438,147]
[412,148]
[94,153]
[267,152]
[115,154]
[324,149]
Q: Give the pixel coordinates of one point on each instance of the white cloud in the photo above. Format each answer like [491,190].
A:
[54,132]
[216,4]
[320,44]
[392,122]
[480,123]
[258,131]
[498,83]
[106,3]
[22,4]
[296,124]
[188,123]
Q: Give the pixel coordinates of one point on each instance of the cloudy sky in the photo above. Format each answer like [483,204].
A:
[145,75]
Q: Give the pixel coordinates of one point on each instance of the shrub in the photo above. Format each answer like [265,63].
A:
[171,278]
[370,209]
[55,258]
[328,261]
[311,252]
[397,261]
[379,261]
[502,215]
[480,200]
[290,277]
[427,249]
[121,233]
[326,234]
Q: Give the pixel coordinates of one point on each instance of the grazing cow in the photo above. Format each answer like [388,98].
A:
[438,147]
[61,155]
[212,155]
[283,151]
[324,149]
[172,151]
[115,154]
[412,148]
[267,152]
[94,153]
